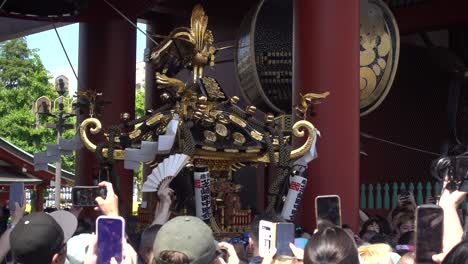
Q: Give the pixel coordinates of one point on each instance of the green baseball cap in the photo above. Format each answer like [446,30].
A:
[188,235]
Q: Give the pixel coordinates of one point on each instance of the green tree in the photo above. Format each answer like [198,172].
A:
[140,101]
[139,112]
[17,63]
[23,79]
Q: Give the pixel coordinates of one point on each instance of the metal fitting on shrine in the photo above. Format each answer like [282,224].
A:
[202,99]
[251,109]
[234,100]
[269,118]
[198,115]
[165,96]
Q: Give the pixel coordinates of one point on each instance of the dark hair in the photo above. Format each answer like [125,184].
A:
[173,257]
[254,225]
[83,227]
[324,223]
[402,209]
[50,210]
[299,231]
[407,238]
[406,217]
[458,254]
[367,236]
[331,245]
[369,222]
[386,228]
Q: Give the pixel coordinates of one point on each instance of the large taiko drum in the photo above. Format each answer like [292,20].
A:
[264,55]
[380,49]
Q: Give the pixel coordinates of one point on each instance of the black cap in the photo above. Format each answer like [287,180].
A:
[36,238]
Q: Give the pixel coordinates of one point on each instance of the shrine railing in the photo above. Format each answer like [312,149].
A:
[385,195]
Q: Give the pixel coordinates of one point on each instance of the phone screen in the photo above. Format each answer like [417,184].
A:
[328,208]
[110,232]
[265,235]
[16,194]
[86,195]
[429,231]
[284,236]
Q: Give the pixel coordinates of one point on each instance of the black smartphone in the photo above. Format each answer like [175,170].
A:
[110,234]
[284,235]
[429,232]
[16,194]
[328,208]
[85,195]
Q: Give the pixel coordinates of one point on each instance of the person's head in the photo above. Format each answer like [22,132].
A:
[40,238]
[351,234]
[331,245]
[255,224]
[458,254]
[372,224]
[384,225]
[407,258]
[405,223]
[324,223]
[399,212]
[184,240]
[375,254]
[146,243]
[77,246]
[84,227]
[367,236]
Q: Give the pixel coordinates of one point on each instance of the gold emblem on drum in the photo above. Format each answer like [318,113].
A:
[380,47]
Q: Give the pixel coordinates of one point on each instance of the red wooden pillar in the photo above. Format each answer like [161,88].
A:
[107,64]
[152,93]
[39,199]
[326,58]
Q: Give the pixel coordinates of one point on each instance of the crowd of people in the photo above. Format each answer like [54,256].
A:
[62,236]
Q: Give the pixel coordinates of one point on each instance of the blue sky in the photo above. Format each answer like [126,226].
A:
[54,58]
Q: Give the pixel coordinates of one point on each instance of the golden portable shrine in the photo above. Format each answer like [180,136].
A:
[199,130]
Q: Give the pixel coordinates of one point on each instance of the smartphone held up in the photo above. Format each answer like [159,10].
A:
[110,232]
[328,208]
[84,196]
[275,235]
[429,232]
[16,194]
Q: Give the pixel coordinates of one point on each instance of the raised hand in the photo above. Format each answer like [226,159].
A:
[165,193]
[110,205]
[232,255]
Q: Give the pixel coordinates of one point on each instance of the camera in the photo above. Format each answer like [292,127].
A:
[455,168]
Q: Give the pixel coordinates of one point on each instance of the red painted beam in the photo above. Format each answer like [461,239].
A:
[431,16]
[45,176]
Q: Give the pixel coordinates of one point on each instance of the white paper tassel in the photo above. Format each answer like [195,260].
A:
[293,200]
